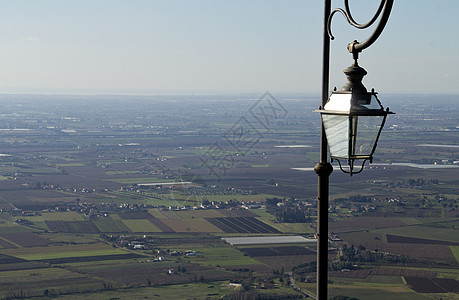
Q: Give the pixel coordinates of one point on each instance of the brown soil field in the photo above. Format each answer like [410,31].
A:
[178,225]
[82,226]
[403,272]
[360,274]
[363,273]
[7,259]
[6,245]
[77,259]
[22,266]
[161,225]
[72,226]
[201,214]
[450,285]
[238,224]
[170,214]
[242,225]
[35,199]
[238,213]
[70,249]
[262,269]
[286,262]
[26,239]
[433,285]
[276,251]
[292,182]
[208,239]
[222,226]
[154,274]
[410,240]
[361,223]
[412,250]
[81,180]
[128,215]
[57,226]
[201,225]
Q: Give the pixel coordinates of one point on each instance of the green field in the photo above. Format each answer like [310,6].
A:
[50,281]
[181,291]
[70,165]
[156,213]
[11,227]
[120,172]
[141,226]
[108,225]
[62,216]
[455,251]
[69,238]
[218,255]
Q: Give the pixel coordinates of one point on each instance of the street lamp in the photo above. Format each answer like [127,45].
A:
[347,118]
[353,119]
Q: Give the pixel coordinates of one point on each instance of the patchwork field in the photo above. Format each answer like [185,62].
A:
[242,225]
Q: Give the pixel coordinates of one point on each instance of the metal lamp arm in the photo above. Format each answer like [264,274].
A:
[355,47]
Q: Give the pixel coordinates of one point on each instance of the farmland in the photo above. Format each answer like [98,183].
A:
[433,285]
[140,201]
[277,251]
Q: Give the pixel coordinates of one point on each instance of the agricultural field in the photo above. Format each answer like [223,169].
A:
[217,221]
[135,201]
[432,285]
[277,251]
[77,250]
[44,282]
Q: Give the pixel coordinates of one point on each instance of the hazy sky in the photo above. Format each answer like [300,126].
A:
[182,46]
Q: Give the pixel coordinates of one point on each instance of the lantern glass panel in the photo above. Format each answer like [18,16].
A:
[337,132]
[365,130]
[372,104]
[339,102]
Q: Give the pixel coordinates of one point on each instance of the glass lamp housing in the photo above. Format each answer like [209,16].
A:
[353,122]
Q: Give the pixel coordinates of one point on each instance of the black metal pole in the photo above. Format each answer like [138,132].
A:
[323,170]
[323,167]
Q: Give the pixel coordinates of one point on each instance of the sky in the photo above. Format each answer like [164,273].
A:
[218,46]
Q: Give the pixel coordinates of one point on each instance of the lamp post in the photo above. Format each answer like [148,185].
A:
[346,123]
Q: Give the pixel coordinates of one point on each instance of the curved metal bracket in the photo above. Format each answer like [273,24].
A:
[355,47]
[351,167]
